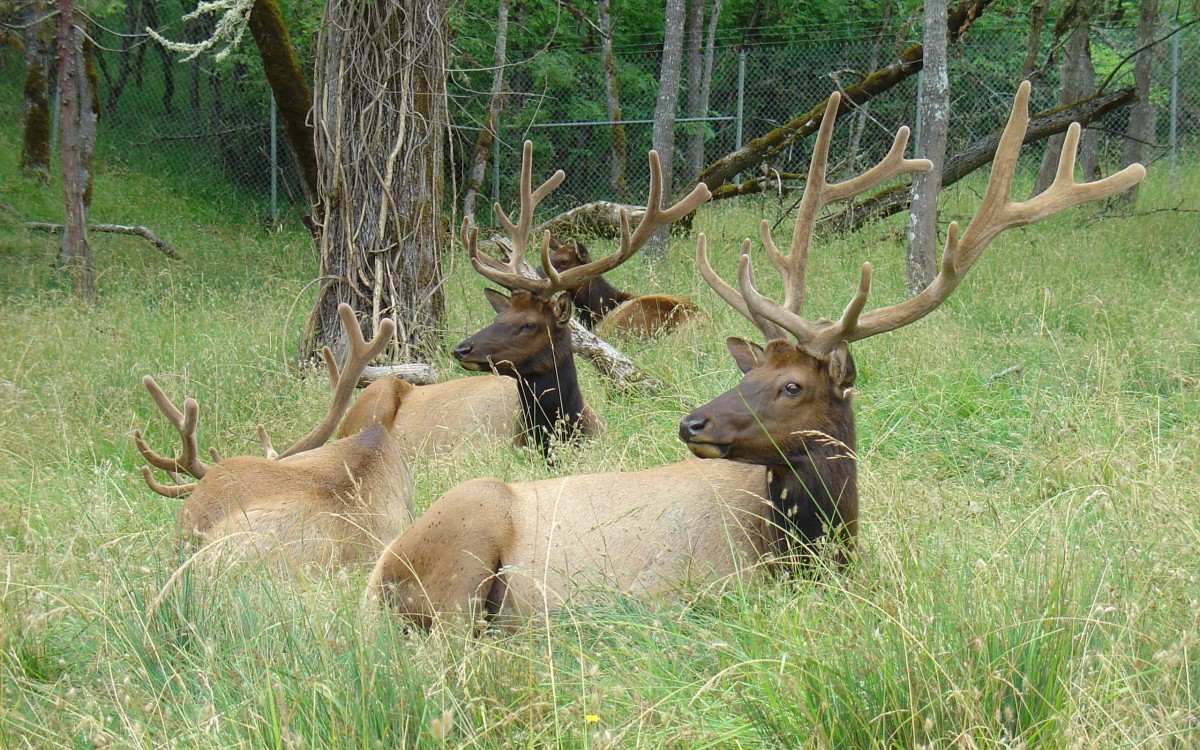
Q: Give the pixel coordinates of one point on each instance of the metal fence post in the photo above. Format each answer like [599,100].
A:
[741,100]
[1174,105]
[274,166]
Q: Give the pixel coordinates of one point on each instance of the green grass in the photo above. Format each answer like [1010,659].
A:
[1030,577]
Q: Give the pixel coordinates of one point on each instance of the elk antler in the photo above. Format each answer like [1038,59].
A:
[343,383]
[188,461]
[996,213]
[510,275]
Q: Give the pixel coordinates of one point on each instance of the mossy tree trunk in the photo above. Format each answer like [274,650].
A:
[663,137]
[380,116]
[290,90]
[77,133]
[35,142]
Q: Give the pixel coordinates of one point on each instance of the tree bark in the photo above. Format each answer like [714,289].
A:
[35,141]
[695,69]
[290,90]
[767,145]
[892,200]
[1037,22]
[613,100]
[487,133]
[1077,83]
[663,137]
[695,153]
[920,264]
[860,123]
[380,115]
[1144,114]
[75,111]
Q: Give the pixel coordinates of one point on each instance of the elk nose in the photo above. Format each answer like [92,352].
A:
[462,350]
[692,425]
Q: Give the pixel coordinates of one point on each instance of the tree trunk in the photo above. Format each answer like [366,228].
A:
[1077,82]
[35,141]
[380,115]
[663,138]
[695,69]
[290,90]
[920,265]
[892,200]
[1144,114]
[1037,22]
[695,154]
[613,100]
[133,27]
[76,109]
[765,146]
[860,123]
[487,133]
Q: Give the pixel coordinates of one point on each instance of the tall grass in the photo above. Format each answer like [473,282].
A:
[1028,460]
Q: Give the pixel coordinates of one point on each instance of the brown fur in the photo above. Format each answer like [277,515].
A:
[336,504]
[612,313]
[508,551]
[806,439]
[438,418]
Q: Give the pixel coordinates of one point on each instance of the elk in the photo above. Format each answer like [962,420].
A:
[327,504]
[528,345]
[503,551]
[791,412]
[612,313]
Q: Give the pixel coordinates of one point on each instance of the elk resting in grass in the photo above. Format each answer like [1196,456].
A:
[791,412]
[317,503]
[612,313]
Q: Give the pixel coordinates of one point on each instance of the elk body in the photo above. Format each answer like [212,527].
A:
[318,503]
[612,313]
[792,412]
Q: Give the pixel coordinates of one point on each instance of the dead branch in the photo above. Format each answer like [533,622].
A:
[136,230]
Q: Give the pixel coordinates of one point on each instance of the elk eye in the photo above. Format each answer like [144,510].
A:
[793,389]
[527,327]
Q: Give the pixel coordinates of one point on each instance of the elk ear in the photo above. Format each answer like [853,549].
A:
[498,300]
[842,370]
[747,355]
[554,244]
[560,306]
[581,252]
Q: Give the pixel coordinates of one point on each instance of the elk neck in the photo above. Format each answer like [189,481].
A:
[551,402]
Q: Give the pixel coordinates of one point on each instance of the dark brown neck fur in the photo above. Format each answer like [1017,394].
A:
[594,299]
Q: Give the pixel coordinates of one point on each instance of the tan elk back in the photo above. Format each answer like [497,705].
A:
[316,503]
[792,412]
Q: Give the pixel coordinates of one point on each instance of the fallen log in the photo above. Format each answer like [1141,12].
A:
[596,219]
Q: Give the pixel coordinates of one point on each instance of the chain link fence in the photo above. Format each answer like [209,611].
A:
[212,124]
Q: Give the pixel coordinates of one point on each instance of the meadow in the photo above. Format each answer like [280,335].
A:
[1028,460]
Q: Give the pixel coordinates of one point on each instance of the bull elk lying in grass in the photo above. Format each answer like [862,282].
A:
[534,396]
[612,313]
[319,503]
[506,550]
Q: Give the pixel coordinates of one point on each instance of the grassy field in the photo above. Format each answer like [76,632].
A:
[1031,569]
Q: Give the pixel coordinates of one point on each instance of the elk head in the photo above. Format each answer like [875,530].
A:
[791,412]
[530,338]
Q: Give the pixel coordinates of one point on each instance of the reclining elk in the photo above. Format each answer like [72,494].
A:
[506,550]
[318,503]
